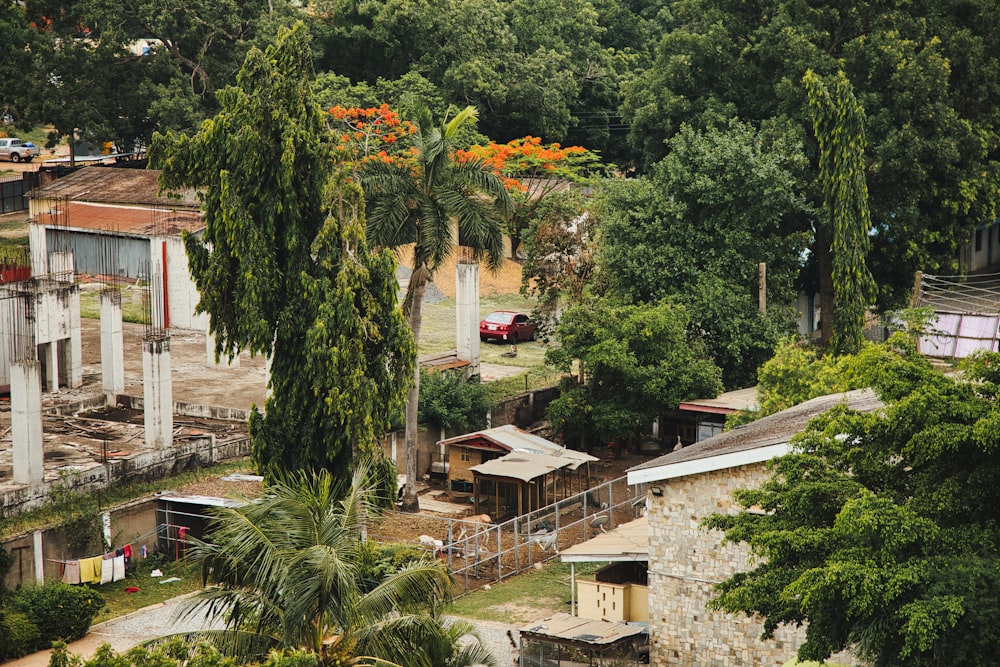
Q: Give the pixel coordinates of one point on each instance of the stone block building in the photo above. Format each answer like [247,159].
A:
[686,561]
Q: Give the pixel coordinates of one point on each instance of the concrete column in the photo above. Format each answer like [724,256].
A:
[112,344]
[53,366]
[75,341]
[157,392]
[221,362]
[26,421]
[38,556]
[39,249]
[467,313]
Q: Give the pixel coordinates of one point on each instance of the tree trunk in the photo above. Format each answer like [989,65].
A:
[414,302]
[824,263]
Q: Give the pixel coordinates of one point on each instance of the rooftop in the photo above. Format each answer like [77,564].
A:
[78,215]
[765,433]
[627,542]
[111,185]
[730,401]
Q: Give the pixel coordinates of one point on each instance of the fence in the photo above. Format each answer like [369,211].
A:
[479,553]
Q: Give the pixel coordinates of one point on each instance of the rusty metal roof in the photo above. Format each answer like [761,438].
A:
[83,216]
[730,401]
[513,439]
[113,185]
[569,628]
[523,466]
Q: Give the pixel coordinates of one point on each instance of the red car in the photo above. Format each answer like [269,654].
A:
[506,325]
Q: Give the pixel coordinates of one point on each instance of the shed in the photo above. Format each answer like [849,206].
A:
[620,590]
[115,221]
[463,452]
[525,481]
[709,414]
[564,639]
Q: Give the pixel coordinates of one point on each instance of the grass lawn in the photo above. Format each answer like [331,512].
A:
[524,598]
[152,590]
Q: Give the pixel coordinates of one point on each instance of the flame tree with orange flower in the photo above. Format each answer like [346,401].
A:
[532,172]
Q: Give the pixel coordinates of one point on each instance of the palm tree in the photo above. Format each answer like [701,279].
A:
[422,203]
[289,572]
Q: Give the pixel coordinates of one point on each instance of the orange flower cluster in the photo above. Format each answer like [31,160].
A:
[371,133]
[528,157]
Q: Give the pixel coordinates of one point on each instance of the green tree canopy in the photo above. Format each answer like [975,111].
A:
[283,268]
[924,72]
[635,363]
[879,533]
[696,229]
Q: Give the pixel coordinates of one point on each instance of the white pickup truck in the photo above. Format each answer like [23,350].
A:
[16,150]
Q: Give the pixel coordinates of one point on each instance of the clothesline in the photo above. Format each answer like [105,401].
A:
[104,569]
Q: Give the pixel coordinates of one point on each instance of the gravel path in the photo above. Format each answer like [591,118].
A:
[163,619]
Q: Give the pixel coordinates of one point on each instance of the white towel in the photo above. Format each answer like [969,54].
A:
[107,569]
[118,569]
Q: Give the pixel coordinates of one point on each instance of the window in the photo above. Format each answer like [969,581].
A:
[465,455]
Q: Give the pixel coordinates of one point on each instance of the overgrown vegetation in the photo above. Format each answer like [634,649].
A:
[449,401]
[32,617]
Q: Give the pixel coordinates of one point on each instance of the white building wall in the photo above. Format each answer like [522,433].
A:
[182,295]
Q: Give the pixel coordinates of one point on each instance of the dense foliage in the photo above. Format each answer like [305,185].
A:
[448,401]
[880,532]
[283,268]
[634,363]
[33,617]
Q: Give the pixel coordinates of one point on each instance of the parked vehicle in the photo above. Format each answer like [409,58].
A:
[15,150]
[506,325]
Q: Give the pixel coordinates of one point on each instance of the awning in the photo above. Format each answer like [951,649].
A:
[523,466]
[627,542]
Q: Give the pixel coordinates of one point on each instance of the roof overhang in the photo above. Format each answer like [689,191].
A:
[708,464]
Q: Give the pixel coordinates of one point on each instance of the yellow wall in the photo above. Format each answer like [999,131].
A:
[612,602]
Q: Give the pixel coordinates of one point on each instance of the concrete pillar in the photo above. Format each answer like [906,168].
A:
[157,392]
[75,342]
[221,362]
[26,421]
[112,344]
[38,243]
[38,556]
[467,313]
[52,366]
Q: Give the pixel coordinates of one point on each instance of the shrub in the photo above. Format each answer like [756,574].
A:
[59,610]
[18,635]
[449,401]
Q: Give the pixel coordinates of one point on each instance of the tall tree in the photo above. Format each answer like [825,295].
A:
[838,121]
[290,571]
[879,533]
[926,74]
[284,270]
[432,202]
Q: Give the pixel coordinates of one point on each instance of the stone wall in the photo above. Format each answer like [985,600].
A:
[686,561]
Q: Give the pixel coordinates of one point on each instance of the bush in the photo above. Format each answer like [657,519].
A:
[18,635]
[59,610]
[450,402]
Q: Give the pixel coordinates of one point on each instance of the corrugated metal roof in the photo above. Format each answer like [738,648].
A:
[524,466]
[730,401]
[115,186]
[121,219]
[629,541]
[512,438]
[566,627]
[774,429]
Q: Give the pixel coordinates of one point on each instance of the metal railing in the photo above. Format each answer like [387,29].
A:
[481,553]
